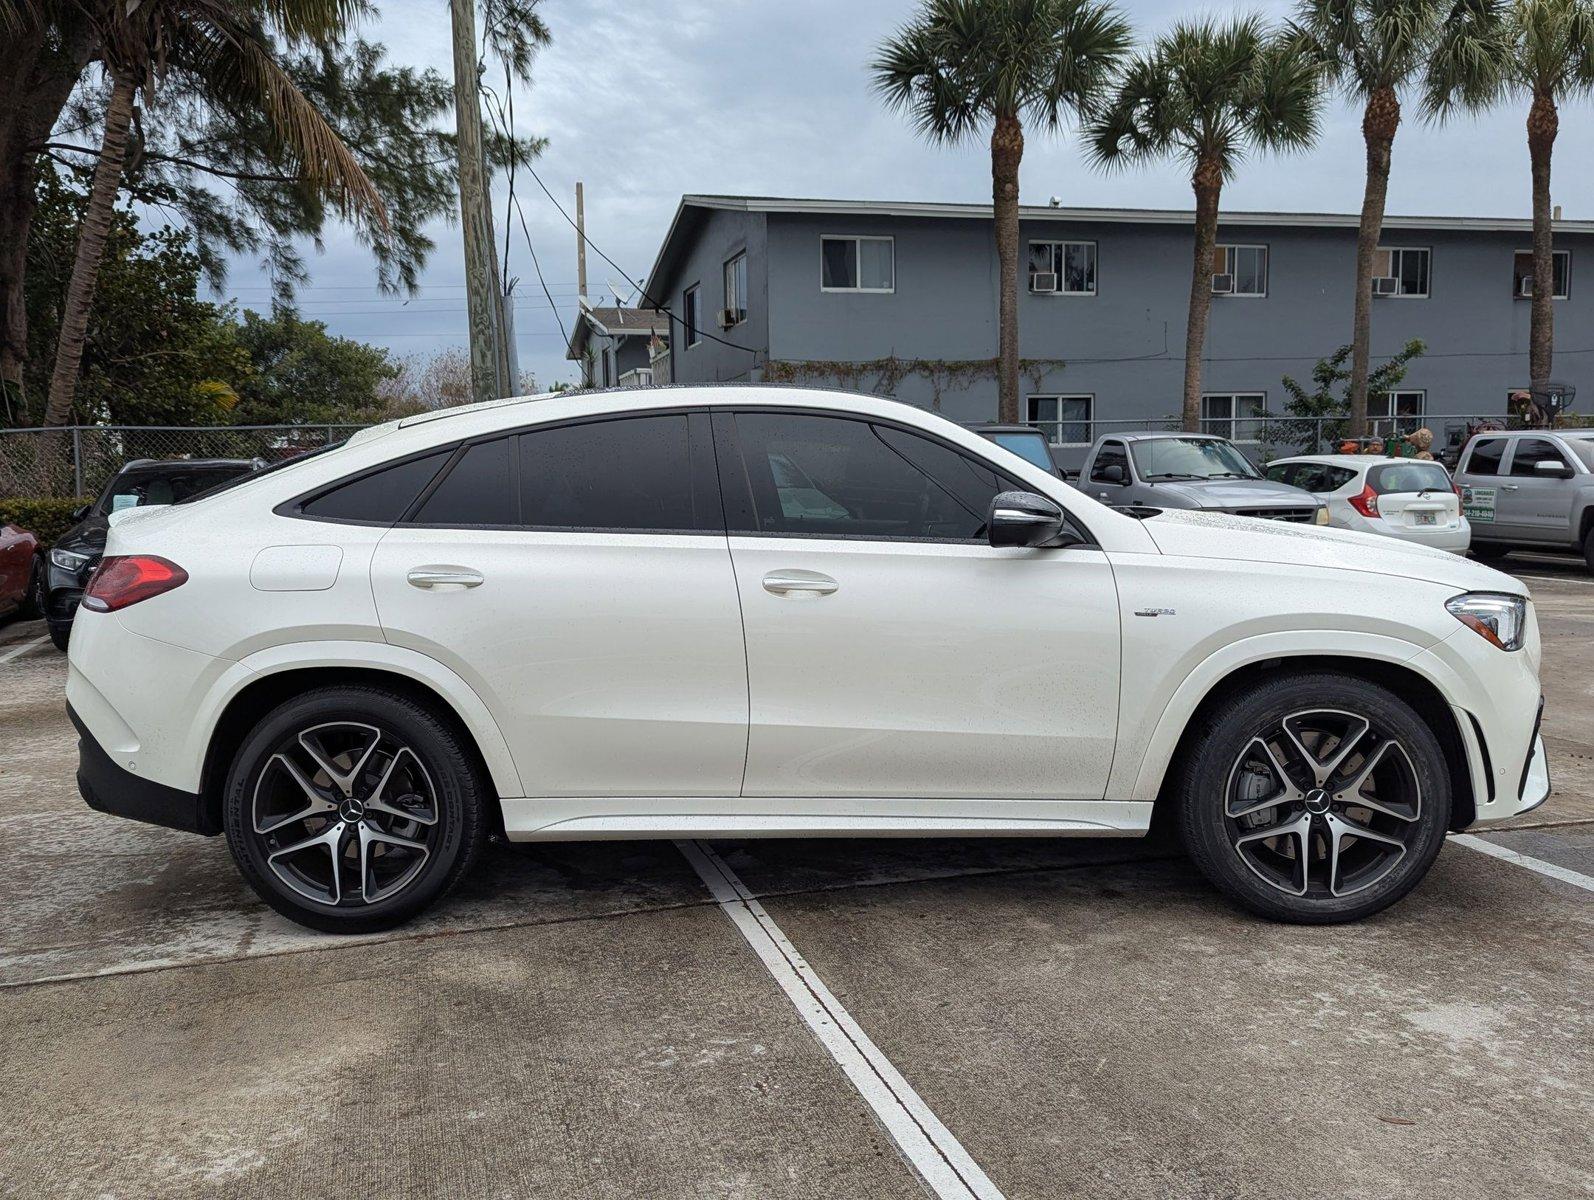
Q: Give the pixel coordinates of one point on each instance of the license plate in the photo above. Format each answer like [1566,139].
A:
[1427,518]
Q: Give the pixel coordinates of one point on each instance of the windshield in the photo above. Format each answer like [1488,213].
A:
[1190,458]
[1031,447]
[1582,445]
[167,485]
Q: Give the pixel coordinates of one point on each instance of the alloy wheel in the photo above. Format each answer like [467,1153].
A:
[1324,804]
[346,814]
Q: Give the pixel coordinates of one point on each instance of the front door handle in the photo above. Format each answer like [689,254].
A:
[1510,487]
[790,583]
[444,577]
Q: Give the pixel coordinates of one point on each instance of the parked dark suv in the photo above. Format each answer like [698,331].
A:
[143,481]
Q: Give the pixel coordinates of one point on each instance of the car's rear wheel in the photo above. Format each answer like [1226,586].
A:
[351,809]
[1314,798]
[33,598]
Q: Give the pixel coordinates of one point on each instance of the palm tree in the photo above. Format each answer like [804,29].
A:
[1207,93]
[1542,51]
[960,65]
[230,45]
[1375,49]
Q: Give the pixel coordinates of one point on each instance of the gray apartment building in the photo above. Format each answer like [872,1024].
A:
[901,298]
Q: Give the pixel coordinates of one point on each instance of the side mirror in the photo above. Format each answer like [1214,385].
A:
[1552,469]
[81,511]
[1025,519]
[1113,474]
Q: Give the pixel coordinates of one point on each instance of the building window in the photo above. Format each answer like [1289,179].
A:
[1065,420]
[1400,271]
[735,292]
[1522,274]
[857,264]
[1062,268]
[1234,415]
[1239,271]
[690,316]
[1395,412]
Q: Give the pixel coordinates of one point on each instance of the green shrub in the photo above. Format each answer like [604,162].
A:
[48,518]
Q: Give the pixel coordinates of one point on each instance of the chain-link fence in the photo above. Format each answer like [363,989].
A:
[78,460]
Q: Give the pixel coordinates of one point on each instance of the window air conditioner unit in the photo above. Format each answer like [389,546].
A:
[729,317]
[1385,285]
[1043,281]
[1525,286]
[1223,285]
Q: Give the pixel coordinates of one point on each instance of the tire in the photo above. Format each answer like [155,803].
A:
[59,634]
[1489,551]
[33,598]
[1230,793]
[370,855]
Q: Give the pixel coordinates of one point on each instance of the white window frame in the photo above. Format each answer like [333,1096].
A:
[1394,271]
[1089,422]
[1387,421]
[692,301]
[740,307]
[1209,424]
[1228,249]
[1063,243]
[1516,293]
[857,258]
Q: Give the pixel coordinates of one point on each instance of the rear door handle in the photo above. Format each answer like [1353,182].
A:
[1510,487]
[444,577]
[788,583]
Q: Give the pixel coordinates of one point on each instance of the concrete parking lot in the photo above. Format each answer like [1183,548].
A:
[1043,1018]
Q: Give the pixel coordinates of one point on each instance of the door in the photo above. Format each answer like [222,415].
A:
[1415,497]
[1479,477]
[892,652]
[1533,507]
[578,577]
[16,566]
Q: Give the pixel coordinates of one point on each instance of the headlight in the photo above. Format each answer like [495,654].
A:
[1320,517]
[68,560]
[1496,616]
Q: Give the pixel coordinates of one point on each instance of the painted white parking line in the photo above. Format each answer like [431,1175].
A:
[932,1151]
[19,651]
[1564,874]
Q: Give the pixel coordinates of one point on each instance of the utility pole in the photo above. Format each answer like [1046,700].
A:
[581,244]
[484,296]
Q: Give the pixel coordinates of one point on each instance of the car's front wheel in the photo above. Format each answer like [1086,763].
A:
[1314,798]
[351,809]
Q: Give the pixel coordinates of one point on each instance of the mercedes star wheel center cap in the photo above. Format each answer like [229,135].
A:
[1317,800]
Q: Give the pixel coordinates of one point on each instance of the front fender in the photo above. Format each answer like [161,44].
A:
[369,656]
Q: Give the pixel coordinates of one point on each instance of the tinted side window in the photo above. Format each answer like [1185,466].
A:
[632,474]
[1531,452]
[1483,458]
[1284,474]
[836,477]
[381,496]
[476,491]
[1319,478]
[1112,454]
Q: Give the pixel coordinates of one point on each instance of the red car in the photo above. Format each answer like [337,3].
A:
[21,572]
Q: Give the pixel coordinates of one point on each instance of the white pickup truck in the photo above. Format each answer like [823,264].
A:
[1529,489]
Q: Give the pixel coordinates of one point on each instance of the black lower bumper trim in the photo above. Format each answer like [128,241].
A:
[108,788]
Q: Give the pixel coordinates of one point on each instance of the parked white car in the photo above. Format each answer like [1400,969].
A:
[749,612]
[1408,498]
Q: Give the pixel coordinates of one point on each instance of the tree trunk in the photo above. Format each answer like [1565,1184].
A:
[1379,123]
[41,74]
[90,245]
[1543,124]
[1007,150]
[1208,184]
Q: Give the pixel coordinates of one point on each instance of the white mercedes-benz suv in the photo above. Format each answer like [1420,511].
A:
[749,612]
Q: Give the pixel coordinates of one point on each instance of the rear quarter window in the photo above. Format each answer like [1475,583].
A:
[380,496]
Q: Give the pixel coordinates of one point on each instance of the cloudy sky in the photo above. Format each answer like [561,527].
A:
[646,101]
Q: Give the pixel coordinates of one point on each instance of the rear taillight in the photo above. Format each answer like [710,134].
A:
[126,579]
[1365,501]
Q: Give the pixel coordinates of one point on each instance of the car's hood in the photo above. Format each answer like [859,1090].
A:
[1246,539]
[1234,493]
[86,537]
